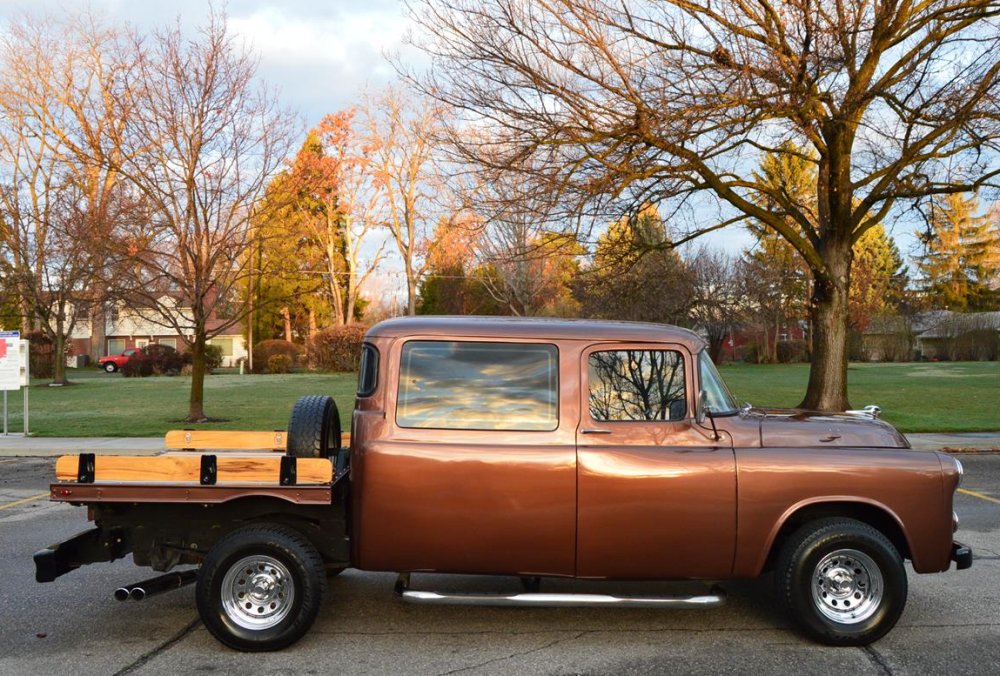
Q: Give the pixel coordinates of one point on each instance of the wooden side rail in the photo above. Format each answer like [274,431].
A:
[187,468]
[199,440]
[215,440]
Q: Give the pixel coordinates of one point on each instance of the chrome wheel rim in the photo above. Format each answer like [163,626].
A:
[257,592]
[847,586]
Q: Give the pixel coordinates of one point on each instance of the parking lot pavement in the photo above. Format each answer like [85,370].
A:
[950,626]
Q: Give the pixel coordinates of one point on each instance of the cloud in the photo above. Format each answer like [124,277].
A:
[322,63]
[321,55]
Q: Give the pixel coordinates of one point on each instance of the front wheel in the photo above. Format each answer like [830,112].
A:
[842,581]
[110,367]
[260,588]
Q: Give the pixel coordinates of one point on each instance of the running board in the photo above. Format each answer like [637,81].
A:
[715,598]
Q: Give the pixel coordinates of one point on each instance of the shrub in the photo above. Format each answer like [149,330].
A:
[791,351]
[337,348]
[154,359]
[139,366]
[213,360]
[751,353]
[164,359]
[279,363]
[265,349]
[213,357]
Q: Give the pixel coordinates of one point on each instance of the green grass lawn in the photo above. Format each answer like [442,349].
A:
[926,397]
[100,404]
[919,397]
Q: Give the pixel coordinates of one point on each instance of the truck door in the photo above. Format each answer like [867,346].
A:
[657,495]
[476,472]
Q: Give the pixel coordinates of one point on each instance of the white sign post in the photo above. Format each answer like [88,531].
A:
[10,367]
[25,378]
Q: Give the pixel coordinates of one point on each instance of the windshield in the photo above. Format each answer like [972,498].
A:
[718,399]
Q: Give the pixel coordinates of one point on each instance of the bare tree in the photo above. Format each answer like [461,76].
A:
[60,124]
[201,146]
[526,264]
[404,157]
[719,283]
[673,103]
[359,205]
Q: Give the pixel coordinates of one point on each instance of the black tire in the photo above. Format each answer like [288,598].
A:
[110,367]
[842,581]
[281,602]
[314,428]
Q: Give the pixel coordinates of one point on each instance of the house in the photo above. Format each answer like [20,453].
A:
[970,336]
[940,334]
[117,327]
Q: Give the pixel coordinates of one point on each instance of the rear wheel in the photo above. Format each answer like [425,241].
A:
[842,581]
[314,428]
[260,588]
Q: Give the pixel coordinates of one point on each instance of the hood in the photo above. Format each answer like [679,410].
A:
[795,427]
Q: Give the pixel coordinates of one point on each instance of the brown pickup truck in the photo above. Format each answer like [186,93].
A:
[537,449]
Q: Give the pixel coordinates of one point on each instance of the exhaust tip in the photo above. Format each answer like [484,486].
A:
[122,594]
[138,594]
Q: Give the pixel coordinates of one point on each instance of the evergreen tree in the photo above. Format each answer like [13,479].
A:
[960,259]
[636,274]
[878,278]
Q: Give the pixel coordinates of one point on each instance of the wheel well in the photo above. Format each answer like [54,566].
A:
[874,516]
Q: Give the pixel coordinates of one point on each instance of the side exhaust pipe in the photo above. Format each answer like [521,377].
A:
[156,585]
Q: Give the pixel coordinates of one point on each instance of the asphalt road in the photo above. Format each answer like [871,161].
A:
[951,624]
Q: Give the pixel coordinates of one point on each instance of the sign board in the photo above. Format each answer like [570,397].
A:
[10,360]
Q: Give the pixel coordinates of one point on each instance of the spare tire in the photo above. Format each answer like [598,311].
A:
[314,428]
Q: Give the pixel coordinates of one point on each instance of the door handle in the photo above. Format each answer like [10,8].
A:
[830,437]
[590,430]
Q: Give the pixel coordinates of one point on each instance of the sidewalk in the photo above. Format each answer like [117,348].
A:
[968,441]
[16,445]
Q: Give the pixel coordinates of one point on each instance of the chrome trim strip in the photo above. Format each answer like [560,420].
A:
[712,600]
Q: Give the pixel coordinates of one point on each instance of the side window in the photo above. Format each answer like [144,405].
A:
[637,385]
[368,370]
[478,386]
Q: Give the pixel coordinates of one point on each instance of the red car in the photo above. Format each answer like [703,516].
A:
[113,362]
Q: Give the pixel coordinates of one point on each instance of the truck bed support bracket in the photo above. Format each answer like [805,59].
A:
[288,470]
[209,471]
[85,470]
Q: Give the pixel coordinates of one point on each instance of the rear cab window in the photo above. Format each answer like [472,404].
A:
[467,385]
[368,370]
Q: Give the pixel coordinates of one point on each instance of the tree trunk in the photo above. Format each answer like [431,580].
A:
[312,322]
[287,317]
[59,360]
[773,346]
[411,293]
[196,404]
[827,389]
